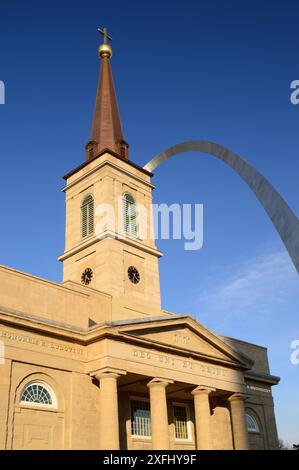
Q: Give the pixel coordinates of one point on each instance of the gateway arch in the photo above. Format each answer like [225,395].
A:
[281,215]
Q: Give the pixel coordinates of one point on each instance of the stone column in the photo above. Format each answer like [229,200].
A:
[239,426]
[159,415]
[109,421]
[203,417]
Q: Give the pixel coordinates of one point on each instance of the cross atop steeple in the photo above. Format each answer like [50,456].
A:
[105,34]
[106,130]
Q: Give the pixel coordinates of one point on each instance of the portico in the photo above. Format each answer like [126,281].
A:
[162,397]
[203,389]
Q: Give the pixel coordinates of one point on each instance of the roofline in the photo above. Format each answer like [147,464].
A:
[247,359]
[114,154]
[262,377]
[81,334]
[242,341]
[134,321]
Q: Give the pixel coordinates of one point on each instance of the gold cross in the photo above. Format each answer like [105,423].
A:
[105,34]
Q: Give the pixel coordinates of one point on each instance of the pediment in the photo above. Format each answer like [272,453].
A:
[186,335]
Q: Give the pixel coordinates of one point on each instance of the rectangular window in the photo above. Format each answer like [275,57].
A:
[181,422]
[140,418]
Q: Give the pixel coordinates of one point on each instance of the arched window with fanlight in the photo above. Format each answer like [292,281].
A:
[252,424]
[129,215]
[87,216]
[38,393]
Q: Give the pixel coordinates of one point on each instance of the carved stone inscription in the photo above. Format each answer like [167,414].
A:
[178,363]
[181,338]
[40,342]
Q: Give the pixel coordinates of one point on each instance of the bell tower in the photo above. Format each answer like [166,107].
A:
[109,241]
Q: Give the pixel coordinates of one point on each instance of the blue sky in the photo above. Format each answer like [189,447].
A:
[210,70]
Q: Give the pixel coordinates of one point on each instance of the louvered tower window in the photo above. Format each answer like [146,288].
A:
[129,215]
[87,216]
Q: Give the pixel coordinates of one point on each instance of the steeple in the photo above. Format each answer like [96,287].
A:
[106,127]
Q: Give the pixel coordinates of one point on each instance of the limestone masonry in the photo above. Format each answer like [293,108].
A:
[93,362]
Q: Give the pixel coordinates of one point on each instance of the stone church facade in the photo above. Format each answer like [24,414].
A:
[94,362]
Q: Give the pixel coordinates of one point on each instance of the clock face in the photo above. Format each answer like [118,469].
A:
[133,275]
[87,276]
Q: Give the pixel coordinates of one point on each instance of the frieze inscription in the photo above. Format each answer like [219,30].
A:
[165,360]
[40,342]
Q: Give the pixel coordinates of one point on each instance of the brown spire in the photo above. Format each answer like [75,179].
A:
[106,127]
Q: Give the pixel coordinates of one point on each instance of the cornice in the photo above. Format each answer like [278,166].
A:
[262,377]
[112,165]
[85,337]
[114,236]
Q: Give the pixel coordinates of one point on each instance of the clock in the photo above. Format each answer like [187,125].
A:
[87,276]
[133,275]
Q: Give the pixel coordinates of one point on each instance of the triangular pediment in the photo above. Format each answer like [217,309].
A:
[185,335]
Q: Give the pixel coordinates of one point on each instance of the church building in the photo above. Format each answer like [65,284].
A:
[94,362]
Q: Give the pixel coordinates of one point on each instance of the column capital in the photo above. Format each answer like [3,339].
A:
[237,397]
[108,372]
[159,382]
[203,390]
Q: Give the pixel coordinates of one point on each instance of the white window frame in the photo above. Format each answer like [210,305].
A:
[189,427]
[136,436]
[39,405]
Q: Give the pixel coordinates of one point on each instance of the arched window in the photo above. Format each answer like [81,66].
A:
[38,393]
[129,215]
[87,216]
[252,424]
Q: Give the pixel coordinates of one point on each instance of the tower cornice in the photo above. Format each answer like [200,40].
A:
[114,154]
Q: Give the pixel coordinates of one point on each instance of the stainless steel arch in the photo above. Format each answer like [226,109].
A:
[283,218]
